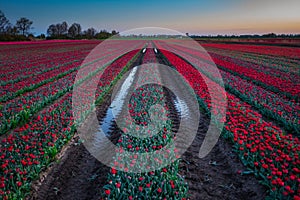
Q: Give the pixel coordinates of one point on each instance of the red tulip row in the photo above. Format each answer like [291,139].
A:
[288,52]
[103,81]
[152,180]
[18,61]
[291,77]
[282,108]
[30,148]
[281,64]
[270,104]
[273,83]
[37,52]
[28,83]
[149,56]
[283,85]
[262,146]
[19,109]
[9,90]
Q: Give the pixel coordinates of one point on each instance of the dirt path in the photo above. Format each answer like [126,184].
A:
[79,176]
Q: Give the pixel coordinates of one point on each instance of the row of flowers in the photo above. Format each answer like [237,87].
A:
[66,65]
[19,110]
[23,61]
[263,147]
[282,64]
[275,84]
[270,104]
[291,77]
[142,167]
[29,149]
[288,52]
[16,55]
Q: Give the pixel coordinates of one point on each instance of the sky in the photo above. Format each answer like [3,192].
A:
[196,17]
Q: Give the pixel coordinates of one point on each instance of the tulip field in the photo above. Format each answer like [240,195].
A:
[42,156]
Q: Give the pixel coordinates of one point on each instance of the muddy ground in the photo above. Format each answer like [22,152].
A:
[77,175]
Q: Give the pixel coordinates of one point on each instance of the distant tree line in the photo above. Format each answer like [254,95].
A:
[268,35]
[19,31]
[63,31]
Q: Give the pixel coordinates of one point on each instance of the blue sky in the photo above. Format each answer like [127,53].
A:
[193,16]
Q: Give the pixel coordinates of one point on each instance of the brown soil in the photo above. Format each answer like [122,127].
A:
[216,176]
[79,176]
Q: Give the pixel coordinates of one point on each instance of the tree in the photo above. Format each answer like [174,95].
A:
[52,30]
[42,36]
[74,30]
[4,23]
[270,35]
[57,30]
[103,34]
[90,33]
[23,25]
[62,28]
[12,30]
[114,32]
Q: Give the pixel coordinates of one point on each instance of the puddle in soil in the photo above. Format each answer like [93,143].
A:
[181,107]
[117,103]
